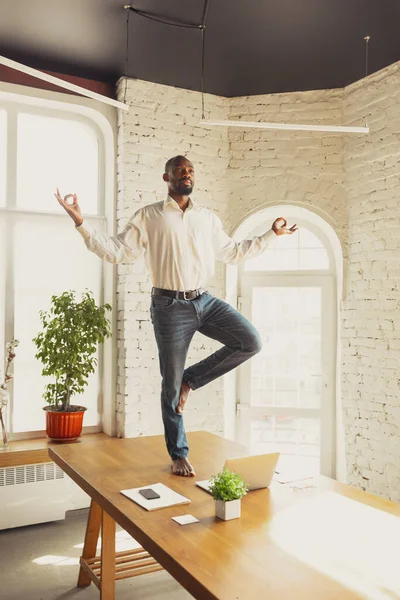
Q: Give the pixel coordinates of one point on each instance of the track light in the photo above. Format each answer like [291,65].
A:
[285,126]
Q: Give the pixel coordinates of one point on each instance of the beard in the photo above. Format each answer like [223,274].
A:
[184,190]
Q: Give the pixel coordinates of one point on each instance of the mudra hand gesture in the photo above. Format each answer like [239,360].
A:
[72,208]
[279,227]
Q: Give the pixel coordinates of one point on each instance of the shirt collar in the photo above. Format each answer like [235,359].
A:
[170,202]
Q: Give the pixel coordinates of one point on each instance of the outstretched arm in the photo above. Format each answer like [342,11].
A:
[233,253]
[126,247]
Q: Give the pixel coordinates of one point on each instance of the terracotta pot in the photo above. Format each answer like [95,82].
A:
[64,426]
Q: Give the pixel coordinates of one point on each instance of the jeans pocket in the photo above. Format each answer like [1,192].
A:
[161,302]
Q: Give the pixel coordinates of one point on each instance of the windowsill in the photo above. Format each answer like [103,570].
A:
[28,452]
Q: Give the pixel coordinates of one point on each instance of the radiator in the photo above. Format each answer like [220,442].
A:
[39,493]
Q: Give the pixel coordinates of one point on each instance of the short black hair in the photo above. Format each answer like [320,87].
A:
[172,161]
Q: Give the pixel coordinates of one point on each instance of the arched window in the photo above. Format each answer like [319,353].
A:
[304,251]
[287,393]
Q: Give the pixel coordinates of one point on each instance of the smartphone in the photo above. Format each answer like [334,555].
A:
[149,494]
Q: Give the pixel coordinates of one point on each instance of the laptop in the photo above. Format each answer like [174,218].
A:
[256,471]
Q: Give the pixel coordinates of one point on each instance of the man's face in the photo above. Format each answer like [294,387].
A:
[180,178]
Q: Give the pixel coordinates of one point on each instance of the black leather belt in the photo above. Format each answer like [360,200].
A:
[178,295]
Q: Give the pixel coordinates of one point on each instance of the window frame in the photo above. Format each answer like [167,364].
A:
[102,123]
[329,280]
[326,412]
[318,234]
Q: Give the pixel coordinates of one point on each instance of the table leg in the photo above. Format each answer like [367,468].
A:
[91,539]
[107,587]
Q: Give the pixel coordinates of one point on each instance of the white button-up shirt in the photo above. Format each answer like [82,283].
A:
[180,247]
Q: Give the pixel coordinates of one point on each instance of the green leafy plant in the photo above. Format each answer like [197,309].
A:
[68,344]
[227,486]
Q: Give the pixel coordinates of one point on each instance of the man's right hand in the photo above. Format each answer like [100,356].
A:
[72,208]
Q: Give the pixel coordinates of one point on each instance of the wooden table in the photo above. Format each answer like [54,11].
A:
[32,452]
[328,541]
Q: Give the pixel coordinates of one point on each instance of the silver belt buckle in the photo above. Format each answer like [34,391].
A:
[184,296]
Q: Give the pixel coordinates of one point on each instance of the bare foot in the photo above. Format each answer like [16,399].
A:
[181,466]
[183,396]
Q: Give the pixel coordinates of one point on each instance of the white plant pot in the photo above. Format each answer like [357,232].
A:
[227,510]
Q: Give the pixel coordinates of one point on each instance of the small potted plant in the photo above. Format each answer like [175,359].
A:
[66,347]
[227,489]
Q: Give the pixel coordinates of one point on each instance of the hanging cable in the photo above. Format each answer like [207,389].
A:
[203,40]
[201,27]
[159,20]
[203,31]
[366,39]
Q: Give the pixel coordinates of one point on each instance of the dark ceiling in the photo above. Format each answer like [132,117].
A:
[252,46]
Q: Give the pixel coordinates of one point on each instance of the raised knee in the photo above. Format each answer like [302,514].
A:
[256,344]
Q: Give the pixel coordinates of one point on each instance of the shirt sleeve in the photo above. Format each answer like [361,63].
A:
[231,252]
[126,247]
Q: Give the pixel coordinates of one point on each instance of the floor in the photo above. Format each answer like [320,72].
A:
[40,562]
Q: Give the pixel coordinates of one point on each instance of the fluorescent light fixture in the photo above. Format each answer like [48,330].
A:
[61,83]
[287,126]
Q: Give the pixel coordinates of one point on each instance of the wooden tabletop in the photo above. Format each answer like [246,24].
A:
[328,541]
[34,451]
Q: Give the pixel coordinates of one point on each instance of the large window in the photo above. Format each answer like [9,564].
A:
[41,254]
[287,391]
[3,156]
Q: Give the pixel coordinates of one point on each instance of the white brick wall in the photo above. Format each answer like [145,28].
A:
[349,180]
[286,167]
[370,311]
[352,181]
[162,122]
[270,167]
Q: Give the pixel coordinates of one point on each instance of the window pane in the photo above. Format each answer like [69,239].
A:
[287,371]
[297,439]
[50,258]
[308,239]
[262,387]
[313,259]
[56,153]
[2,295]
[302,251]
[3,156]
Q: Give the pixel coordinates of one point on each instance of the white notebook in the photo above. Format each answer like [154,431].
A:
[167,497]
[204,484]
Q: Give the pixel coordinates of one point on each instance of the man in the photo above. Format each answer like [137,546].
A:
[181,240]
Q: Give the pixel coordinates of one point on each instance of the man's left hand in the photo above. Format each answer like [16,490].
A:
[279,227]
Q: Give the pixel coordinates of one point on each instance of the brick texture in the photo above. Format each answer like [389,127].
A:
[352,182]
[349,180]
[270,167]
[162,122]
[370,311]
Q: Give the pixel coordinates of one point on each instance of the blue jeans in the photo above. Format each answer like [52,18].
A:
[175,323]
